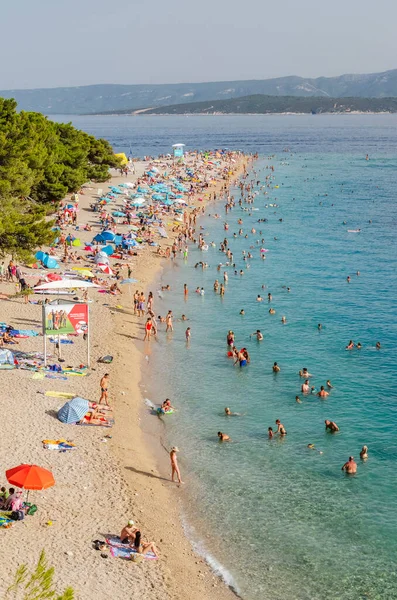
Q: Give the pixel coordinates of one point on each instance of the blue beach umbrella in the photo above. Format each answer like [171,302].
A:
[74,410]
[107,250]
[40,255]
[49,262]
[107,236]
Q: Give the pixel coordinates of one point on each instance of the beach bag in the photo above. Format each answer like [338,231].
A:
[32,509]
[17,515]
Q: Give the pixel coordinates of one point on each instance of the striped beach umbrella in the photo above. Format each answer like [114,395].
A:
[74,410]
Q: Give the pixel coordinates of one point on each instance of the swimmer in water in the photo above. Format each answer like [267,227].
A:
[272,311]
[319,327]
[331,426]
[329,384]
[242,312]
[276,368]
[258,335]
[283,319]
[259,298]
[322,393]
[350,345]
[229,413]
[270,432]
[188,334]
[364,453]
[223,437]
[350,467]
[305,388]
[348,279]
[378,345]
[304,373]
[280,428]
[297,399]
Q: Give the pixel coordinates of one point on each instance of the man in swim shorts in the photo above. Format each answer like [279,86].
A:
[305,387]
[104,389]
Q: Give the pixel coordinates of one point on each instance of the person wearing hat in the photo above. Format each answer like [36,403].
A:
[174,464]
[128,533]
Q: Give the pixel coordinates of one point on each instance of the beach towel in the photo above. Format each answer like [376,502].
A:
[119,550]
[51,376]
[107,423]
[5,521]
[61,445]
[38,376]
[65,395]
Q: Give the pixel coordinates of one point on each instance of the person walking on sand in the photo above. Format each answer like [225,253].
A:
[104,389]
[174,464]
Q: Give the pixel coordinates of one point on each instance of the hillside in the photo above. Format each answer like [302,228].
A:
[118,98]
[261,104]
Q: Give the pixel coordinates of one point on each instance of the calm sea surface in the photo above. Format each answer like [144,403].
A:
[282,520]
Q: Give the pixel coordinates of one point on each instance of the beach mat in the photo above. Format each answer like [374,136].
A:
[119,550]
[65,395]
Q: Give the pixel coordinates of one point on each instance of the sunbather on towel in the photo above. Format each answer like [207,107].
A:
[7,339]
[94,418]
[144,547]
[128,533]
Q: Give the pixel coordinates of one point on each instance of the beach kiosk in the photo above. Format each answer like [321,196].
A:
[178,150]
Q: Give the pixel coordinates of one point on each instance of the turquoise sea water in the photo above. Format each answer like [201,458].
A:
[283,520]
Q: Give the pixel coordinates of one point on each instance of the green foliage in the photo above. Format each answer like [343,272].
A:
[23,227]
[38,585]
[44,160]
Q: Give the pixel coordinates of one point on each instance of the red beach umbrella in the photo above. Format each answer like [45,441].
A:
[105,269]
[30,477]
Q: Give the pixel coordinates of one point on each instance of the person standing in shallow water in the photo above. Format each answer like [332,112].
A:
[350,467]
[174,465]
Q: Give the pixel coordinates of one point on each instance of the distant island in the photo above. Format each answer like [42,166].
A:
[110,98]
[261,104]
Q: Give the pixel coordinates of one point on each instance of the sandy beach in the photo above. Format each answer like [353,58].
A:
[105,481]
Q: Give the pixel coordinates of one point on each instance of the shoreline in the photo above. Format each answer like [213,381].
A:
[196,566]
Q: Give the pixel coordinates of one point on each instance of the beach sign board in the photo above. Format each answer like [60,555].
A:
[178,150]
[65,318]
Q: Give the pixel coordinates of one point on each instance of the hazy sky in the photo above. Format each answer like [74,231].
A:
[49,43]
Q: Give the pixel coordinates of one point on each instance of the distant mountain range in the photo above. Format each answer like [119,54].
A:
[102,98]
[261,104]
